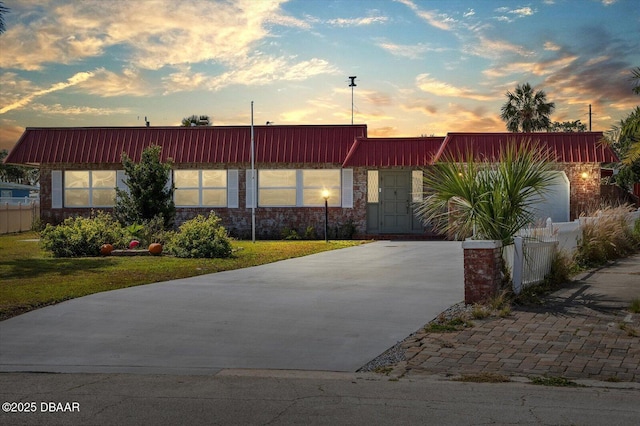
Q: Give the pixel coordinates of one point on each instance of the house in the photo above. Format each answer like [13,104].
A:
[16,190]
[371,181]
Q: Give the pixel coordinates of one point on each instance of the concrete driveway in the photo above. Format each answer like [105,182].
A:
[331,311]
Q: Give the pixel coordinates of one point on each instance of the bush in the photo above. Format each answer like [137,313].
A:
[201,237]
[605,238]
[81,236]
[150,231]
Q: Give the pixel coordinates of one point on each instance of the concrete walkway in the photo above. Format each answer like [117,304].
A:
[583,331]
[332,311]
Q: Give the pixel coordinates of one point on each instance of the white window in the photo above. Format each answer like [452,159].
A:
[316,182]
[89,188]
[277,188]
[304,188]
[200,188]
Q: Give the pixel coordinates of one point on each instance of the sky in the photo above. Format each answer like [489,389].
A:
[422,67]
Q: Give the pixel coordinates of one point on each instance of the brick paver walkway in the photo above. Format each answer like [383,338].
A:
[579,343]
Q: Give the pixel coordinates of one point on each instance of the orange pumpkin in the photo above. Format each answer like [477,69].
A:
[106,249]
[155,249]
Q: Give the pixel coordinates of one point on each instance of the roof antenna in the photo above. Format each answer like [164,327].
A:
[146,121]
[352,85]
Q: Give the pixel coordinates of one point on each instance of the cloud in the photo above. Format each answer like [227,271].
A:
[414,51]
[107,83]
[469,12]
[382,132]
[9,135]
[536,68]
[72,81]
[522,12]
[357,22]
[439,88]
[494,48]
[58,109]
[420,105]
[254,71]
[549,45]
[147,35]
[441,21]
[460,118]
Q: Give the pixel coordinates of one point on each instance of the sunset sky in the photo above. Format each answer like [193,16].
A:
[422,67]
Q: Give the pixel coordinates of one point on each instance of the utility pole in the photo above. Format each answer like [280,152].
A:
[352,85]
[589,117]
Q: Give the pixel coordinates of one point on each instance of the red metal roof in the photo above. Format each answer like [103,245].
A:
[388,152]
[577,147]
[210,144]
[337,144]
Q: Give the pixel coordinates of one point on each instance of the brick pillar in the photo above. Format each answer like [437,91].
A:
[482,270]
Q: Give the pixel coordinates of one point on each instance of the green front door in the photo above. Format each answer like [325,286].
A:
[395,202]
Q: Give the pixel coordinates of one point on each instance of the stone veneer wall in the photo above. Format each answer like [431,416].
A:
[585,195]
[270,221]
[584,192]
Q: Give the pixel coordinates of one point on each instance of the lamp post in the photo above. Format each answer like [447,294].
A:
[325,195]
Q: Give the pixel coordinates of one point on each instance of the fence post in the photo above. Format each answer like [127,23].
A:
[518,263]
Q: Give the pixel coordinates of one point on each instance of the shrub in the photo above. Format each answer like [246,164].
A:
[82,236]
[605,238]
[150,231]
[201,237]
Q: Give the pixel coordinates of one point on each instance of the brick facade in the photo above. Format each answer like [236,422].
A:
[482,270]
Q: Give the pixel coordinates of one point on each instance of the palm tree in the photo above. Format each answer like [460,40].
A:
[3,10]
[487,200]
[625,140]
[635,76]
[196,120]
[527,110]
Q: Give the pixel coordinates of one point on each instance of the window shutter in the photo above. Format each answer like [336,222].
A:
[56,189]
[347,188]
[169,184]
[299,189]
[251,198]
[232,189]
[121,177]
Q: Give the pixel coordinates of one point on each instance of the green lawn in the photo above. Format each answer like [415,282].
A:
[31,278]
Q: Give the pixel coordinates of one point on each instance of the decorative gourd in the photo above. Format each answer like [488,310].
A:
[155,249]
[106,249]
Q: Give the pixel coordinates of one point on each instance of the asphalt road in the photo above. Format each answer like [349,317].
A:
[309,398]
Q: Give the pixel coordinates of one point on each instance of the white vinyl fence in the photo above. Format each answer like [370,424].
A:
[18,217]
[531,255]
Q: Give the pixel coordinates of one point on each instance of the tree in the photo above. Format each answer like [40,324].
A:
[625,140]
[487,200]
[527,110]
[196,120]
[635,77]
[568,126]
[3,10]
[17,174]
[149,194]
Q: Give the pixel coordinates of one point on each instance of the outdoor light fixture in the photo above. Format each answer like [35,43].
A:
[584,175]
[325,195]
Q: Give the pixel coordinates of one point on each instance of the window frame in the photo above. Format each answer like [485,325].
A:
[89,189]
[202,189]
[336,191]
